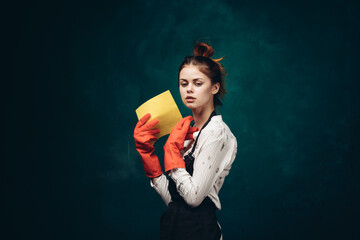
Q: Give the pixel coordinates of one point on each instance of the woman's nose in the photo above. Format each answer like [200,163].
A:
[189,88]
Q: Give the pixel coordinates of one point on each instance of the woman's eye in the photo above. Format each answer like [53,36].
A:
[183,84]
[198,84]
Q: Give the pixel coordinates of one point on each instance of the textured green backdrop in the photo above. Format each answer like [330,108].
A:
[77,70]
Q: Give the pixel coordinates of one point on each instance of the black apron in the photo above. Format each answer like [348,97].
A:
[180,221]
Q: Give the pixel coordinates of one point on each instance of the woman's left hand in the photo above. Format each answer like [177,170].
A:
[175,143]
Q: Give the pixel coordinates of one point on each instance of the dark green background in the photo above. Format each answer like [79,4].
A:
[75,71]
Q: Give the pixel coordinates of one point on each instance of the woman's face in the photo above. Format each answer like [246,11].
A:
[196,89]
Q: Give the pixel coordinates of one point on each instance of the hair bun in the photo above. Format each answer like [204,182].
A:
[203,49]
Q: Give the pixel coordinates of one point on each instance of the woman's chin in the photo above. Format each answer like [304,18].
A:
[190,106]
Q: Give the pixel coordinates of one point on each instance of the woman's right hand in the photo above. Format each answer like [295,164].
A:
[144,134]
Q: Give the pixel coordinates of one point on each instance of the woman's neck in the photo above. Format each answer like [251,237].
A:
[201,116]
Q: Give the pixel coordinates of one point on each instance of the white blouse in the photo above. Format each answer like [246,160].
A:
[215,152]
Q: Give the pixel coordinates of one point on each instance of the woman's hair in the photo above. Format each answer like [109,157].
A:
[208,66]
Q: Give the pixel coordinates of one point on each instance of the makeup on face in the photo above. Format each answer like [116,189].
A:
[195,87]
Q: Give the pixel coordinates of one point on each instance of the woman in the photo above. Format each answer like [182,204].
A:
[195,161]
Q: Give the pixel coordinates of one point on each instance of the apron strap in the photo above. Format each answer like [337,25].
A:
[193,148]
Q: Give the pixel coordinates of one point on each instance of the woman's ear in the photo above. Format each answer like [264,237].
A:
[215,88]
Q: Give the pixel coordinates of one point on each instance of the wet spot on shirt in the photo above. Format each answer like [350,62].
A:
[217,170]
[209,166]
[203,163]
[209,157]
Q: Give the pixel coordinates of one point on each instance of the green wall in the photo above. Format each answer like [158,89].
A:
[75,71]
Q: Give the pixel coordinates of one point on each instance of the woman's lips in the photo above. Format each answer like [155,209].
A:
[190,99]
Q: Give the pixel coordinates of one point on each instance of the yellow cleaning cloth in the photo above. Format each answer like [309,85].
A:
[163,108]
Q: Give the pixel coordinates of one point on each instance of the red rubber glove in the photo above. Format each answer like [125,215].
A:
[175,143]
[144,136]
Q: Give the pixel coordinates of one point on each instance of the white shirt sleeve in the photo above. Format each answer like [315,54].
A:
[161,187]
[209,163]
